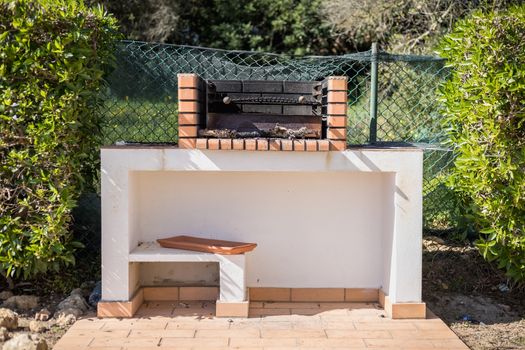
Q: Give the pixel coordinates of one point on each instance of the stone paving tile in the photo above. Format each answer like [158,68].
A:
[90,323]
[191,325]
[338,333]
[230,333]
[195,324]
[430,326]
[372,326]
[129,324]
[310,312]
[340,325]
[68,342]
[254,312]
[195,342]
[243,323]
[262,342]
[293,333]
[121,333]
[162,333]
[426,334]
[353,343]
[136,342]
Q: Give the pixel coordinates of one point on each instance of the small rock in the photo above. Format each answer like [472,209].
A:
[43,315]
[88,285]
[66,317]
[77,291]
[66,320]
[26,342]
[74,301]
[72,311]
[8,319]
[4,334]
[21,302]
[504,288]
[435,239]
[37,326]
[96,294]
[23,322]
[505,307]
[6,294]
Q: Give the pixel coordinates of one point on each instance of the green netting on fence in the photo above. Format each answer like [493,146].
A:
[140,104]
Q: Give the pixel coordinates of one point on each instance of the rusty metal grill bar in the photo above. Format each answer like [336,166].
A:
[276,100]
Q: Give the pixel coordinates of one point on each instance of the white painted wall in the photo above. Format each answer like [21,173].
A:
[313,229]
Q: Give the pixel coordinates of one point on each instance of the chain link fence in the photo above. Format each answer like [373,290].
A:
[140,104]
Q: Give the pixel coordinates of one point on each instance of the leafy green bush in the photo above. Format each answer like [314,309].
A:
[485,118]
[53,55]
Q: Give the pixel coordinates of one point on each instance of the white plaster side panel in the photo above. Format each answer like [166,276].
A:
[314,229]
[388,221]
[114,188]
[117,227]
[407,243]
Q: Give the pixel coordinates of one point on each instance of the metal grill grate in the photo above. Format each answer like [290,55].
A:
[276,100]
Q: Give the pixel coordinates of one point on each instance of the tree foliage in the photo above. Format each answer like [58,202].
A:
[285,26]
[485,118]
[53,54]
[399,25]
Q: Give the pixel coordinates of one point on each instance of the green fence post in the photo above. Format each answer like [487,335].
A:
[373,94]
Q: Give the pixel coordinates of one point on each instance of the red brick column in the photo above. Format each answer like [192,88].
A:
[191,108]
[336,106]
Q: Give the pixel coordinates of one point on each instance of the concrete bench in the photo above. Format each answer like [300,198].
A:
[231,267]
[232,270]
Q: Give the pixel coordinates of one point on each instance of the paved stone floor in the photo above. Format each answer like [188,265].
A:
[191,325]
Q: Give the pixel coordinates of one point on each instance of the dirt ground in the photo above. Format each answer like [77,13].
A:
[53,333]
[48,300]
[472,296]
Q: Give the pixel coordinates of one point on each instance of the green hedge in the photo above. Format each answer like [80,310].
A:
[485,119]
[53,56]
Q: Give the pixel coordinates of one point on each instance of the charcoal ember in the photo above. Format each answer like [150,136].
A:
[218,133]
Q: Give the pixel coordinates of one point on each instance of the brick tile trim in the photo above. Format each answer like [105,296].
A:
[336,134]
[188,94]
[336,111]
[189,118]
[337,83]
[188,80]
[314,294]
[402,310]
[232,309]
[308,145]
[121,308]
[190,91]
[240,309]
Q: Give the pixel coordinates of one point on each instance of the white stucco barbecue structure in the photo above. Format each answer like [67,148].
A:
[341,219]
